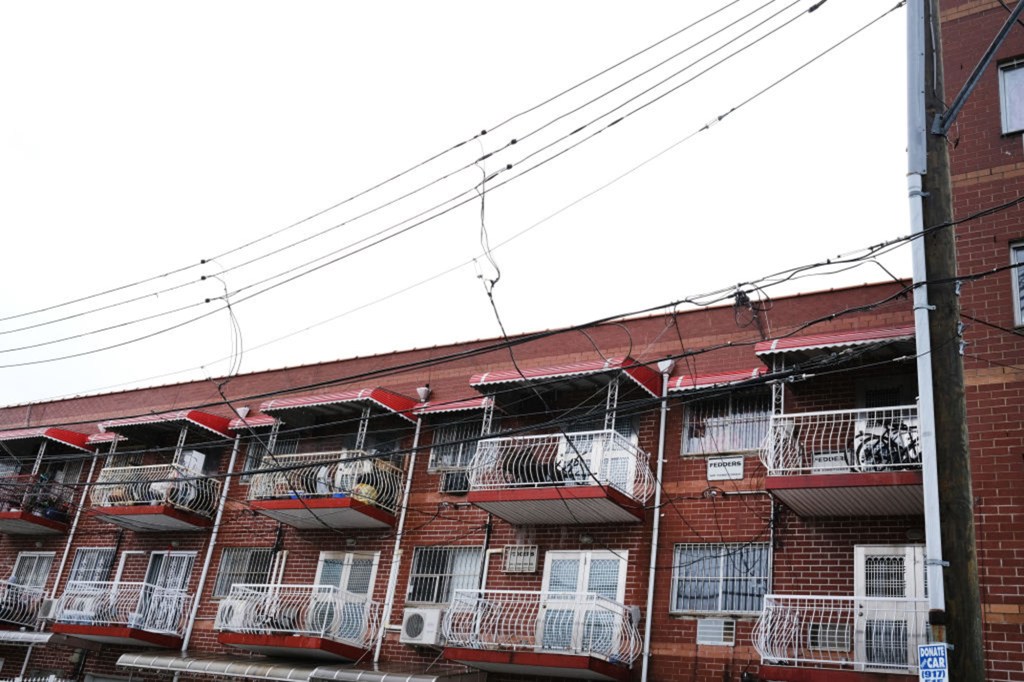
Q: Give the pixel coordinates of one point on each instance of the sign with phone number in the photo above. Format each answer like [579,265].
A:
[932,664]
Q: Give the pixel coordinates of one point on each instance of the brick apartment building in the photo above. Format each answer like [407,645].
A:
[491,508]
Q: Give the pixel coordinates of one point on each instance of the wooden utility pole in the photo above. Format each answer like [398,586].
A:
[956,502]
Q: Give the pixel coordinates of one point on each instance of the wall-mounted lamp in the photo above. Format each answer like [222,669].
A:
[666,366]
[350,542]
[424,393]
[175,543]
[586,539]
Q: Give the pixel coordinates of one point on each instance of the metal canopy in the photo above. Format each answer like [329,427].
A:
[696,382]
[158,428]
[25,442]
[443,407]
[589,372]
[254,421]
[327,403]
[246,668]
[397,672]
[892,340]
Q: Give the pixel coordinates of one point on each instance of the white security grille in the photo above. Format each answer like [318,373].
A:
[32,568]
[249,565]
[885,576]
[91,564]
[438,571]
[734,423]
[731,578]
[454,444]
[143,606]
[716,631]
[166,484]
[519,559]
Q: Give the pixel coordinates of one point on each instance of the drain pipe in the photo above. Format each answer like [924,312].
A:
[396,554]
[209,549]
[664,368]
[74,527]
[917,167]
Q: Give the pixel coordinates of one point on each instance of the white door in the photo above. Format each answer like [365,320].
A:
[571,618]
[163,597]
[890,616]
[343,613]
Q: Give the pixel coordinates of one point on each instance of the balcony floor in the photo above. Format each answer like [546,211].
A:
[559,505]
[315,512]
[149,518]
[538,664]
[293,646]
[891,493]
[119,635]
[787,673]
[27,523]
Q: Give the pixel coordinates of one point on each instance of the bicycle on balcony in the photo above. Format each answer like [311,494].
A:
[895,447]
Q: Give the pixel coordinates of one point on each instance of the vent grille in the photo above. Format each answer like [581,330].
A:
[520,559]
[716,631]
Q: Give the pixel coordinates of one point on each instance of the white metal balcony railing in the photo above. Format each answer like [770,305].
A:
[156,484]
[323,611]
[581,458]
[326,474]
[860,633]
[19,604]
[136,605]
[842,441]
[33,493]
[583,624]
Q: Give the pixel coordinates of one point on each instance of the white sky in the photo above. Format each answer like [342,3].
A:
[137,138]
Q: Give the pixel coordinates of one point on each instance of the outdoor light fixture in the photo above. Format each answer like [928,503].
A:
[666,366]
[586,539]
[423,392]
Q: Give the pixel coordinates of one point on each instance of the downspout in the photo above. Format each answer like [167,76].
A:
[74,527]
[209,549]
[917,167]
[665,368]
[396,554]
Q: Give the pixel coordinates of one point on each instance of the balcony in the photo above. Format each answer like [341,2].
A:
[323,490]
[845,462]
[151,498]
[561,479]
[31,505]
[19,604]
[802,638]
[307,621]
[583,636]
[134,614]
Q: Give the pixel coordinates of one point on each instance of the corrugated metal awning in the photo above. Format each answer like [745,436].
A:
[24,637]
[455,405]
[644,376]
[856,337]
[693,382]
[71,439]
[397,403]
[254,421]
[397,672]
[228,666]
[211,422]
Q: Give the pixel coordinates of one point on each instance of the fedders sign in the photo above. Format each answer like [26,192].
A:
[932,664]
[725,468]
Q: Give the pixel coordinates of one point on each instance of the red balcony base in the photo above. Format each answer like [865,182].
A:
[119,635]
[538,664]
[27,523]
[148,518]
[293,646]
[785,673]
[559,505]
[315,512]
[891,493]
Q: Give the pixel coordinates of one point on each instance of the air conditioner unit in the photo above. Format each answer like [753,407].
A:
[231,614]
[47,609]
[422,627]
[455,482]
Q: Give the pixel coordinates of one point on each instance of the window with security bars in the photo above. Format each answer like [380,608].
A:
[244,566]
[92,564]
[257,451]
[719,578]
[454,443]
[1017,258]
[437,572]
[31,569]
[732,423]
[885,576]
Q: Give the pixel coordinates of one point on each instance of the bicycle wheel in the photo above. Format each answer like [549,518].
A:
[874,454]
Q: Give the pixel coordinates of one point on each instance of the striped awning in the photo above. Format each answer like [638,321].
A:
[442,407]
[644,376]
[211,422]
[226,666]
[693,382]
[252,421]
[401,405]
[26,441]
[842,339]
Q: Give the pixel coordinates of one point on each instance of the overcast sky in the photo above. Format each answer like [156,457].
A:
[137,139]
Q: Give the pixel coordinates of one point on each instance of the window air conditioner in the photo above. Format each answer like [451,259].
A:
[422,627]
[47,609]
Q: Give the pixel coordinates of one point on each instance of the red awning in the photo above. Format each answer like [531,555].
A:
[857,337]
[688,382]
[210,422]
[252,421]
[104,437]
[72,439]
[644,376]
[397,403]
[455,405]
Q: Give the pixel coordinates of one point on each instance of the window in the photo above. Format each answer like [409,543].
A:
[438,571]
[243,565]
[729,578]
[734,423]
[454,444]
[1011,95]
[257,450]
[1017,258]
[92,564]
[31,569]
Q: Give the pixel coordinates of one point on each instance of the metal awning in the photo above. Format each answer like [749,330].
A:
[34,638]
[479,403]
[694,382]
[254,421]
[833,340]
[397,672]
[25,442]
[169,421]
[227,666]
[644,376]
[396,403]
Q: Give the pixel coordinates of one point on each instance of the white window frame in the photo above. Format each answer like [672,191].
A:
[1005,96]
[447,577]
[348,558]
[82,554]
[729,420]
[26,556]
[447,434]
[274,565]
[1017,275]
[711,550]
